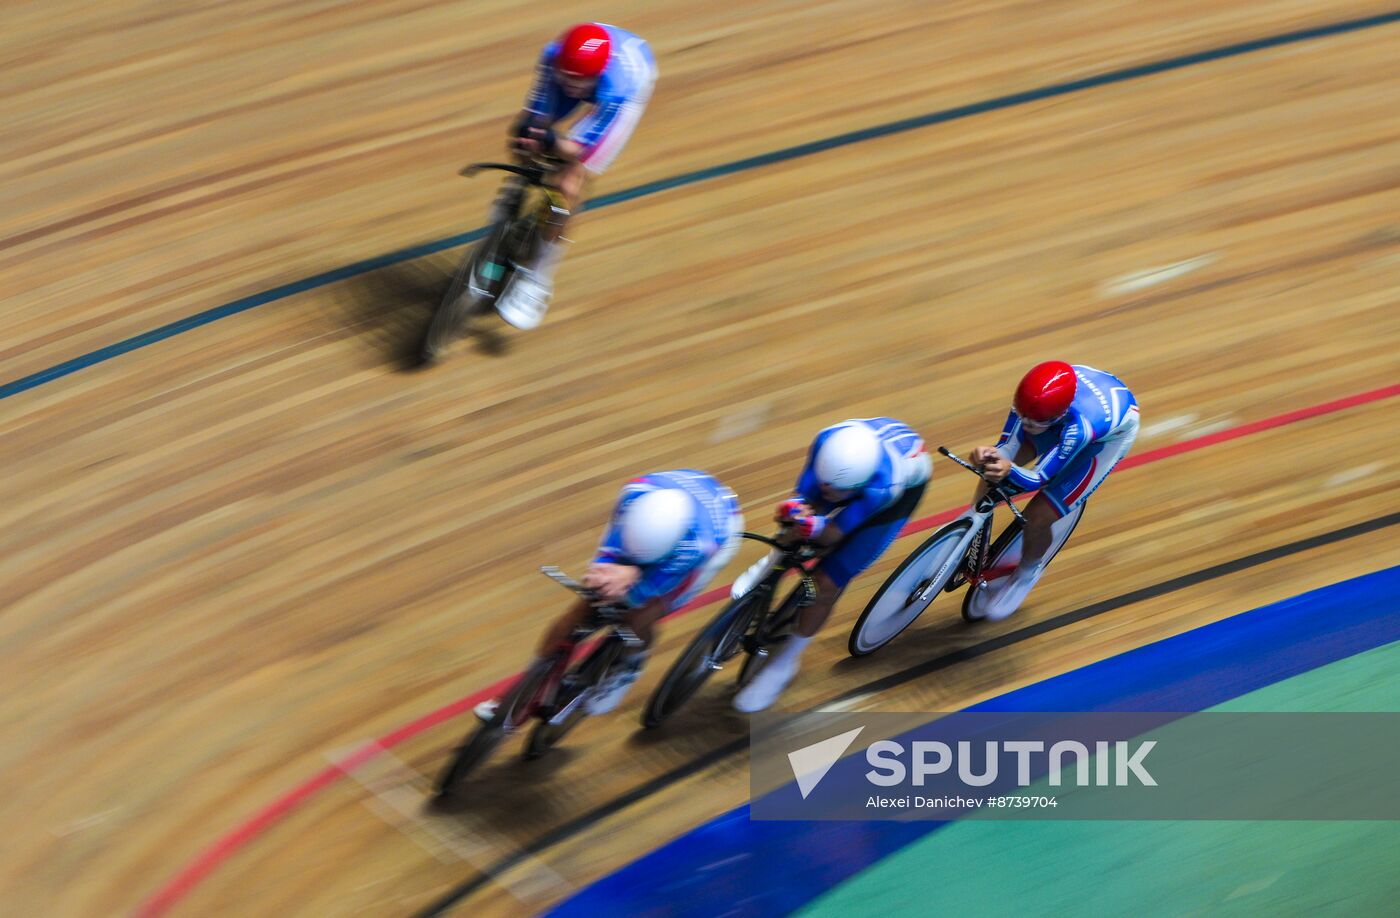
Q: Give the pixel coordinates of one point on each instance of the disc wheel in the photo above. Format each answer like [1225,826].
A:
[908,591]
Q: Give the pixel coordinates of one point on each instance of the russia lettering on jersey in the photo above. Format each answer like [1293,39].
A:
[1102,403]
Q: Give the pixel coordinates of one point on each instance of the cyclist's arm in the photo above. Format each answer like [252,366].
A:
[859,511]
[593,126]
[668,576]
[537,99]
[1032,478]
[1009,443]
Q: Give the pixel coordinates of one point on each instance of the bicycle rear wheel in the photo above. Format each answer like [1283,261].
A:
[718,642]
[569,705]
[909,590]
[1006,551]
[514,709]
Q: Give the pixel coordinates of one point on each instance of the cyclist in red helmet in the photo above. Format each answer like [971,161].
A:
[609,70]
[1068,427]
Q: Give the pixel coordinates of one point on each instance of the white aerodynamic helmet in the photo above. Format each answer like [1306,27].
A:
[849,457]
[655,523]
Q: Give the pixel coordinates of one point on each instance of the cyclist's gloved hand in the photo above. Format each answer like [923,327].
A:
[530,138]
[990,462]
[611,581]
[809,527]
[791,510]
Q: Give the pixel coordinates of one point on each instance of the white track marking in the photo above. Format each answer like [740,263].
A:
[1183,424]
[1215,426]
[85,823]
[1249,889]
[399,795]
[857,703]
[1349,475]
[1151,277]
[744,420]
[1167,425]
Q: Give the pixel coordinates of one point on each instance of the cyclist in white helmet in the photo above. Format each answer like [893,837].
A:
[671,533]
[862,481]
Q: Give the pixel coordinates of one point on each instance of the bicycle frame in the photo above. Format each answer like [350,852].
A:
[535,175]
[973,549]
[794,559]
[601,615]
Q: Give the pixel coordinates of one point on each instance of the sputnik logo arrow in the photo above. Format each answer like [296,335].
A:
[811,763]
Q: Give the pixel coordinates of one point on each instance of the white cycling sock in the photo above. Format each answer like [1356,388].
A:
[793,647]
[548,259]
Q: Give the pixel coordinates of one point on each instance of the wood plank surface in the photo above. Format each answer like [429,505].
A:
[230,555]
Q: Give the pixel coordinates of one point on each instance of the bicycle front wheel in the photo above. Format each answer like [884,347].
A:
[910,589]
[716,643]
[514,709]
[466,295]
[770,633]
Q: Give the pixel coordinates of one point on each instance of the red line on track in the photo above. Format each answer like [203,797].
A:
[228,844]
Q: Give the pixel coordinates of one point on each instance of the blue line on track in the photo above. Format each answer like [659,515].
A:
[155,335]
[731,865]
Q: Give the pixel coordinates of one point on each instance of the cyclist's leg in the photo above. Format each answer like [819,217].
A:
[857,551]
[1008,556]
[1050,518]
[507,200]
[562,627]
[555,636]
[628,666]
[643,621]
[773,678]
[573,179]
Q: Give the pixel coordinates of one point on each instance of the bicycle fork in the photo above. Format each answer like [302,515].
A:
[768,630]
[974,560]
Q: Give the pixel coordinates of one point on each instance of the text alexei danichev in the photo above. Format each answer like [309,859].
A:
[918,803]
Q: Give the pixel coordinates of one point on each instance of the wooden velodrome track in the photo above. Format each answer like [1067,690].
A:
[236,553]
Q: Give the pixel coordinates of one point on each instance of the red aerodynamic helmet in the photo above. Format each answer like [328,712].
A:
[1045,393]
[583,51]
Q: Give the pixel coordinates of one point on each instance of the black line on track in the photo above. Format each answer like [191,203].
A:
[662,781]
[998,103]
